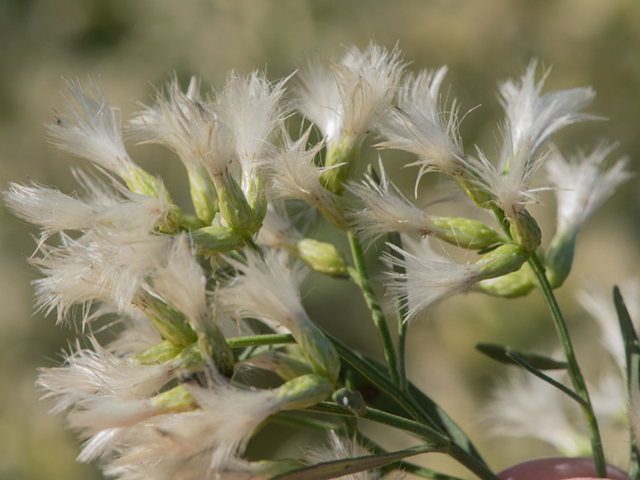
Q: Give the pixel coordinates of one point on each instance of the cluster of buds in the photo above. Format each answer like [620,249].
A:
[164,399]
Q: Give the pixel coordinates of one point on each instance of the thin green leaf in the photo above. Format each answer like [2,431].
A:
[632,351]
[523,363]
[499,353]
[348,466]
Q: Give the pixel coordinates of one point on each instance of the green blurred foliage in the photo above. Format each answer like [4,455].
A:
[133,47]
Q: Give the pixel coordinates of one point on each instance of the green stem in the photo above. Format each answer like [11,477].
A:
[374,375]
[403,310]
[471,463]
[574,370]
[259,340]
[362,280]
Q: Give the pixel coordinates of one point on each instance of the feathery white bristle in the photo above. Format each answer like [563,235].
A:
[297,176]
[350,96]
[87,374]
[181,282]
[583,184]
[523,397]
[427,281]
[93,131]
[532,118]
[98,266]
[420,125]
[253,109]
[267,288]
[598,303]
[386,210]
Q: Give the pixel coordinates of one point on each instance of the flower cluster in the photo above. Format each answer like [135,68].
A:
[202,296]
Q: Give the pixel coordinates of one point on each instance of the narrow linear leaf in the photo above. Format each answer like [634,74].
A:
[632,351]
[348,466]
[523,363]
[500,353]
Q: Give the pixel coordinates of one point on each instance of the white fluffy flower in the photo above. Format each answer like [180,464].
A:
[297,176]
[525,406]
[98,266]
[252,108]
[181,282]
[427,281]
[532,118]
[599,305]
[386,210]
[266,289]
[419,125]
[103,206]
[349,96]
[583,185]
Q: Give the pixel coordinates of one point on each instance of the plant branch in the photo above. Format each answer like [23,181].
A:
[574,370]
[361,278]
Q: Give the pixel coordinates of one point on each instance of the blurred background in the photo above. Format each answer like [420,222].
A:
[132,47]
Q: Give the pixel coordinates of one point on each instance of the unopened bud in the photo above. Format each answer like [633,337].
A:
[255,194]
[171,323]
[318,350]
[321,256]
[525,231]
[303,392]
[351,399]
[464,232]
[214,347]
[233,205]
[158,354]
[141,182]
[203,196]
[213,240]
[342,159]
[515,284]
[176,400]
[284,365]
[502,261]
[560,256]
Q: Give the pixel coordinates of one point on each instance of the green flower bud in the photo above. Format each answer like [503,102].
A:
[176,400]
[318,350]
[352,399]
[141,182]
[503,260]
[215,347]
[464,232]
[343,156]
[525,232]
[303,392]
[215,239]
[285,365]
[203,196]
[171,323]
[560,256]
[256,197]
[321,256]
[234,206]
[515,284]
[158,354]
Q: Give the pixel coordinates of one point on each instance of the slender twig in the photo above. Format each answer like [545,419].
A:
[394,239]
[574,370]
[534,371]
[258,340]
[361,278]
